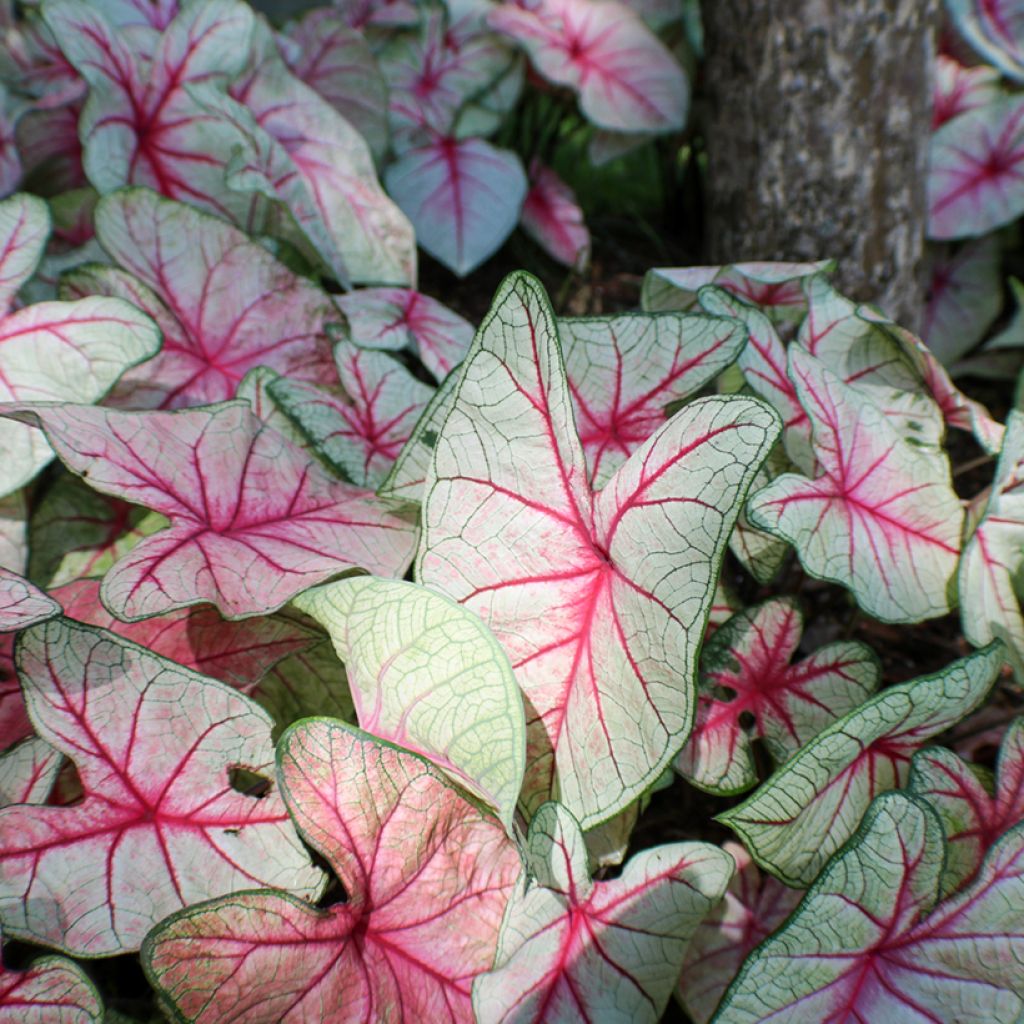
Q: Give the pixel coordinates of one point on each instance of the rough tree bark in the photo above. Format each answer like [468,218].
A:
[817,137]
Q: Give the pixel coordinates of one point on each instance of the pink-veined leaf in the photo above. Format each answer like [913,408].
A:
[332,58]
[141,124]
[812,804]
[255,389]
[625,77]
[463,196]
[994,29]
[881,518]
[253,519]
[964,297]
[754,906]
[159,826]
[427,875]
[382,14]
[223,303]
[972,820]
[777,288]
[427,675]
[28,772]
[52,990]
[237,653]
[958,89]
[553,219]
[866,944]
[992,559]
[14,722]
[745,671]
[22,603]
[24,230]
[397,318]
[360,437]
[601,601]
[758,552]
[975,173]
[625,371]
[14,533]
[573,951]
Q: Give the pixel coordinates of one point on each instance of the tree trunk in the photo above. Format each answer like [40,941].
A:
[819,114]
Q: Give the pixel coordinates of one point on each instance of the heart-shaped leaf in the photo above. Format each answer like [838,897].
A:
[463,197]
[972,820]
[626,79]
[427,675]
[959,89]
[427,876]
[22,604]
[976,171]
[223,303]
[361,437]
[881,518]
[601,602]
[866,945]
[797,819]
[159,826]
[994,29]
[625,371]
[745,673]
[397,318]
[573,950]
[553,219]
[28,772]
[754,906]
[253,520]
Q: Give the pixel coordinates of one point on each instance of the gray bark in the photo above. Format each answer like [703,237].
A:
[817,137]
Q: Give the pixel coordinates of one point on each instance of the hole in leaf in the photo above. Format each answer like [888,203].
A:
[747,720]
[249,783]
[67,788]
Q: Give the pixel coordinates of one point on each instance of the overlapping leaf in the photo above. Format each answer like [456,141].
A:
[866,943]
[626,79]
[553,219]
[881,517]
[28,772]
[623,371]
[796,820]
[745,671]
[253,520]
[972,820]
[463,196]
[573,950]
[753,908]
[427,675]
[159,826]
[22,603]
[959,89]
[397,318]
[994,29]
[601,602]
[427,876]
[223,303]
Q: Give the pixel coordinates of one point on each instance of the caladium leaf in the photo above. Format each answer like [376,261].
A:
[253,520]
[22,604]
[14,722]
[593,620]
[758,552]
[745,671]
[989,606]
[775,287]
[626,79]
[964,297]
[427,875]
[14,533]
[397,318]
[796,820]
[994,29]
[28,772]
[553,219]
[361,437]
[959,89]
[53,990]
[972,820]
[463,197]
[863,945]
[576,950]
[623,372]
[427,675]
[159,826]
[975,177]
[24,230]
[753,908]
[881,518]
[335,60]
[255,389]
